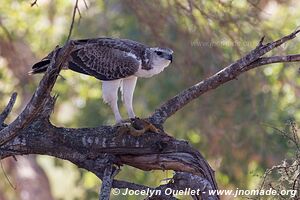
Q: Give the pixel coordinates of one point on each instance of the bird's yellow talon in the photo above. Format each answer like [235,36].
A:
[137,127]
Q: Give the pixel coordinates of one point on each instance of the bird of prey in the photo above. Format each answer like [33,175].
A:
[117,63]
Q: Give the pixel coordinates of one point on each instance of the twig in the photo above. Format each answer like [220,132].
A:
[6,176]
[34,3]
[8,108]
[86,6]
[293,137]
[296,180]
[273,59]
[73,19]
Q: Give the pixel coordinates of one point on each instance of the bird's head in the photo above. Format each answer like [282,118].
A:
[161,57]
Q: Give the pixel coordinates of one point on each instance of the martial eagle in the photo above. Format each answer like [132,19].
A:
[117,63]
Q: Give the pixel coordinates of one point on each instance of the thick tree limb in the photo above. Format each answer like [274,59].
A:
[90,148]
[227,74]
[86,147]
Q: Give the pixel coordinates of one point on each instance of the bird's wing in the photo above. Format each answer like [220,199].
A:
[105,59]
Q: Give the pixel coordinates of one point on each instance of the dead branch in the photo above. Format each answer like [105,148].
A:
[8,108]
[75,9]
[33,3]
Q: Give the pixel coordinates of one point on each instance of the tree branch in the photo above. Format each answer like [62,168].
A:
[273,59]
[33,3]
[109,173]
[86,148]
[249,61]
[8,108]
[73,19]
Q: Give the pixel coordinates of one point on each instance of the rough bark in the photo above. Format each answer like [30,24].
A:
[99,149]
[108,175]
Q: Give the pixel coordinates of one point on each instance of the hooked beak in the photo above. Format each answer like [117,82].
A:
[170,58]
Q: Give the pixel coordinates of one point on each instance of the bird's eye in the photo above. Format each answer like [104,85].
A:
[159,53]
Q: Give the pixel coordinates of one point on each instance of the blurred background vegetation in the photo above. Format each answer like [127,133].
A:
[231,126]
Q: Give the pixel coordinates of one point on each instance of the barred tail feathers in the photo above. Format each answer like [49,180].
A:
[40,67]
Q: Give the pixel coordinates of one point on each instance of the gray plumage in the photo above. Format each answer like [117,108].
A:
[117,62]
[104,58]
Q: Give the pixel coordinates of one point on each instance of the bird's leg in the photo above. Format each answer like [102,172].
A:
[128,89]
[134,126]
[110,96]
[115,109]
